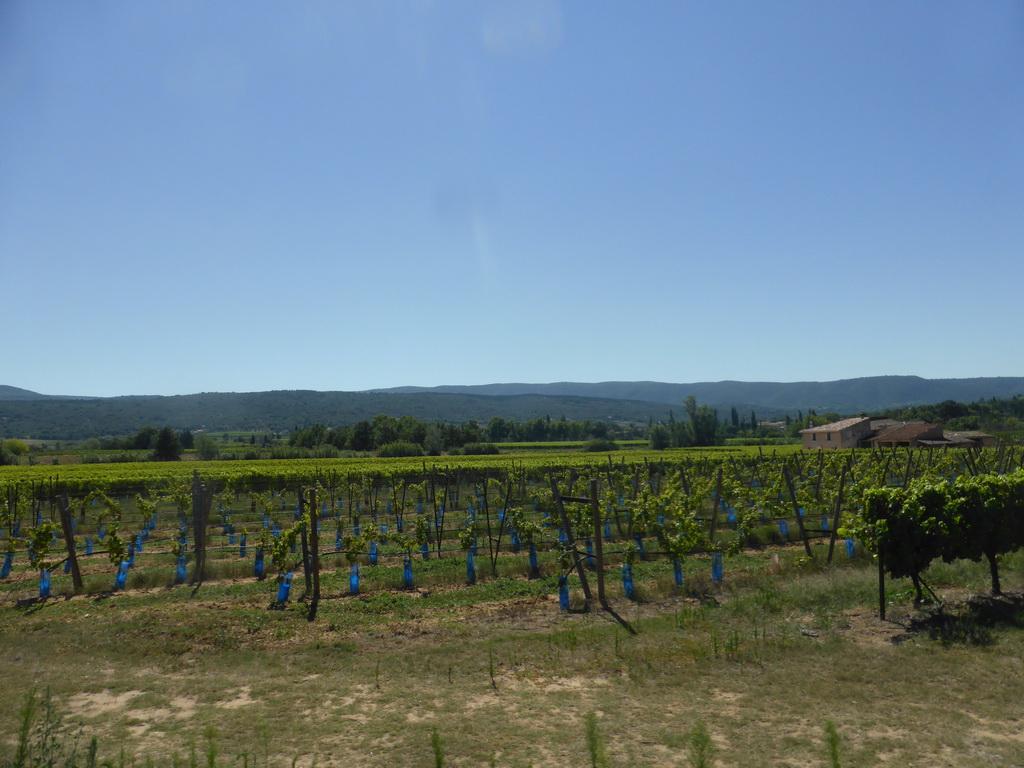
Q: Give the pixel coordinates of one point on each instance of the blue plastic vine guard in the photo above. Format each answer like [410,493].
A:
[179,574]
[534,569]
[353,579]
[677,570]
[284,589]
[407,573]
[44,583]
[470,568]
[563,592]
[628,589]
[716,567]
[121,579]
[257,567]
[850,551]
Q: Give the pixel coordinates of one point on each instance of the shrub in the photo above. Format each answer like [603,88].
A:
[480,449]
[400,449]
[598,446]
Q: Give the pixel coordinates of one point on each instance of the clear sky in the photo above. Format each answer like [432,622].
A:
[253,195]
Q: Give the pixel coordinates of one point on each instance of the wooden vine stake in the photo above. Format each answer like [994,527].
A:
[69,541]
[835,516]
[796,510]
[202,498]
[570,539]
[314,554]
[595,510]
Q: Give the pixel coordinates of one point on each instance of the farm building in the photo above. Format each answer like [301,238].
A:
[864,432]
[910,435]
[839,434]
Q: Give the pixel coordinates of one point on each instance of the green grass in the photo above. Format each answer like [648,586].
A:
[744,673]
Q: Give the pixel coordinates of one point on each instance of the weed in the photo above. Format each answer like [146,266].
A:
[437,747]
[595,749]
[832,742]
[702,749]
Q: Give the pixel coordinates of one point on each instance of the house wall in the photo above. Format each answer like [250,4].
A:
[845,438]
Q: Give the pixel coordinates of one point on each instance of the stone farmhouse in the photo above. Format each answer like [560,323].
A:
[865,432]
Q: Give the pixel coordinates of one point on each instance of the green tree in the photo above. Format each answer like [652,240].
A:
[206,448]
[167,446]
[660,437]
[145,438]
[703,422]
[362,436]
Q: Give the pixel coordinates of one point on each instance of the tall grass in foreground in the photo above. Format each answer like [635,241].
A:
[44,740]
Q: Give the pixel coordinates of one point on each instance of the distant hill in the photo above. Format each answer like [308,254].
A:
[14,393]
[875,393]
[284,410]
[28,414]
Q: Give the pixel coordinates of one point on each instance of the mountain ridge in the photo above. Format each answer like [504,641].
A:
[27,414]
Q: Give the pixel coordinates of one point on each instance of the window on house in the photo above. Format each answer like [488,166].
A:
[814,437]
[829,437]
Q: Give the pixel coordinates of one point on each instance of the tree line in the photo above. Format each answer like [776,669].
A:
[437,437]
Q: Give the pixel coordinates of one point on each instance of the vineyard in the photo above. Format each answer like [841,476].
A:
[97,529]
[557,610]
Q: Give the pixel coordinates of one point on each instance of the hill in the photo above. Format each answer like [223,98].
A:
[874,393]
[28,414]
[282,411]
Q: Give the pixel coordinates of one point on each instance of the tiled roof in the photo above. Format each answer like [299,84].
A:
[837,426]
[905,432]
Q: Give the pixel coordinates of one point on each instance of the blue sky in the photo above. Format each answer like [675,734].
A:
[244,196]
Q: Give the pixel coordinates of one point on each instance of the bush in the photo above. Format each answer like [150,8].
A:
[400,449]
[480,449]
[599,446]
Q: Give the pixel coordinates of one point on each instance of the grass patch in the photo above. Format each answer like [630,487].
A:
[746,672]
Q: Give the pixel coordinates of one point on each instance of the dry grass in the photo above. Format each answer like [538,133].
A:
[763,661]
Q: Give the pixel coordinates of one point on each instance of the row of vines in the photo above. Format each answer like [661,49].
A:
[281,518]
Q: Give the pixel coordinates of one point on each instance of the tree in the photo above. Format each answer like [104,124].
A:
[206,448]
[362,436]
[703,422]
[660,438]
[498,429]
[187,439]
[167,446]
[144,438]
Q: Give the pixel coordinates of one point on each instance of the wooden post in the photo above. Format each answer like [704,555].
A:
[570,540]
[314,546]
[881,583]
[714,511]
[595,510]
[835,517]
[202,497]
[69,540]
[799,517]
[198,529]
[307,569]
